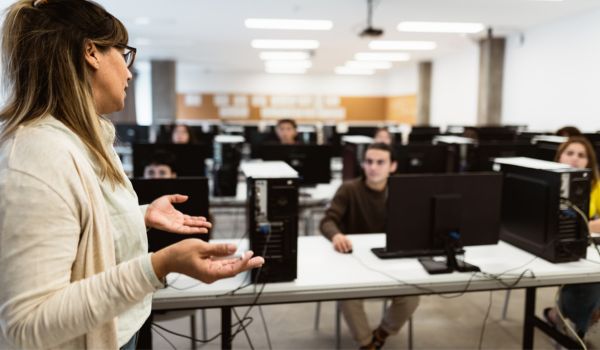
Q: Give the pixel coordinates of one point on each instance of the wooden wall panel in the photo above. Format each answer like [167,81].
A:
[402,109]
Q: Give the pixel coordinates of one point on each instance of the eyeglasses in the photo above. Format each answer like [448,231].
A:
[128,54]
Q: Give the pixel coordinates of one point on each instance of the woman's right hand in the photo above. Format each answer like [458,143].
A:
[195,258]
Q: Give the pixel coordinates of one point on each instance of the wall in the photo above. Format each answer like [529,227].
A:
[454,88]
[552,75]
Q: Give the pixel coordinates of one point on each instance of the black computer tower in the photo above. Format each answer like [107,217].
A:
[535,215]
[272,213]
[227,155]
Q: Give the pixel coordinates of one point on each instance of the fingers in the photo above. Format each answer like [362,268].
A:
[342,244]
[231,267]
[213,249]
[197,221]
[177,198]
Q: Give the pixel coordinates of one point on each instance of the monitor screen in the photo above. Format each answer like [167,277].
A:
[480,156]
[196,205]
[423,134]
[188,158]
[132,133]
[435,214]
[312,162]
[418,159]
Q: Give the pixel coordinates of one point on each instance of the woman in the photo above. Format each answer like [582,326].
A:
[580,303]
[383,135]
[182,134]
[74,267]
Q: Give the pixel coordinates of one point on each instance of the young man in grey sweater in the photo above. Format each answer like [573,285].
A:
[359,206]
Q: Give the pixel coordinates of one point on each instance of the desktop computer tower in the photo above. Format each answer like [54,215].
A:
[353,150]
[537,207]
[272,214]
[227,155]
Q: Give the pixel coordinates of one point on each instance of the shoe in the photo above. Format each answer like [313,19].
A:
[549,318]
[379,337]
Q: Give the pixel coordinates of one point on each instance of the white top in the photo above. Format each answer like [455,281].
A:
[358,139]
[269,170]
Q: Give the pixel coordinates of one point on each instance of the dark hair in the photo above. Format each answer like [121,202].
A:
[161,157]
[387,131]
[591,155]
[568,131]
[190,131]
[288,121]
[382,147]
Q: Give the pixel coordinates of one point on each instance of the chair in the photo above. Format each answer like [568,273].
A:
[338,323]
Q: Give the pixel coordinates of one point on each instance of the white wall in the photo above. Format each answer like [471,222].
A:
[552,78]
[455,80]
[403,80]
[193,80]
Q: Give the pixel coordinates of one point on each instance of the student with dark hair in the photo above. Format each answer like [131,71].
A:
[568,131]
[161,166]
[383,135]
[287,131]
[359,206]
[182,134]
[74,264]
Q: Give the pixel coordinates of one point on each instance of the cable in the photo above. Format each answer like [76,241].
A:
[265,327]
[203,341]
[587,224]
[164,337]
[487,314]
[564,321]
[245,331]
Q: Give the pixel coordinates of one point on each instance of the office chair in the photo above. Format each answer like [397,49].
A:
[338,323]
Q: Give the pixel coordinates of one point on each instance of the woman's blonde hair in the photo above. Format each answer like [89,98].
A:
[589,150]
[45,72]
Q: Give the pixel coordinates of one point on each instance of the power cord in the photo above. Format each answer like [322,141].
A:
[487,315]
[564,321]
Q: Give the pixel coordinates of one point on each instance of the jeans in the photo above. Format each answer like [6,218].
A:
[131,344]
[578,303]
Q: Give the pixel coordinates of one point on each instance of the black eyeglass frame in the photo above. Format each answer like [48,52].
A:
[131,53]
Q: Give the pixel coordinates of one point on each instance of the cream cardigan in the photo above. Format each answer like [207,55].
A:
[60,286]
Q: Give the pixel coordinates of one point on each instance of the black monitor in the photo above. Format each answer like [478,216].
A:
[480,156]
[592,137]
[362,130]
[437,214]
[423,134]
[254,136]
[418,159]
[496,133]
[189,158]
[132,133]
[312,162]
[196,188]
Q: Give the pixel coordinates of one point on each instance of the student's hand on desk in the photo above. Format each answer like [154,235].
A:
[162,215]
[341,243]
[198,259]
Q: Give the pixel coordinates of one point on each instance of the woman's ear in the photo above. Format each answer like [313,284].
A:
[91,54]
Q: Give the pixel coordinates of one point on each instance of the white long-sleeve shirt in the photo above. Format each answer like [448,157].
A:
[72,251]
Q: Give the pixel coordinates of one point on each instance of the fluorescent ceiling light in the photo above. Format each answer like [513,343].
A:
[382,56]
[401,45]
[288,64]
[285,70]
[369,64]
[293,24]
[285,44]
[440,27]
[284,55]
[353,71]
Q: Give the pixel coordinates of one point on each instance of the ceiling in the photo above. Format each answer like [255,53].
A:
[211,34]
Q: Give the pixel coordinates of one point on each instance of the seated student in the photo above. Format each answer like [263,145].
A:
[359,206]
[568,131]
[580,303]
[161,166]
[383,135]
[287,132]
[182,134]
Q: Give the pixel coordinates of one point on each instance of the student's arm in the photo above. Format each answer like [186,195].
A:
[331,222]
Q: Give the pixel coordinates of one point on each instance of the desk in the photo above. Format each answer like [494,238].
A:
[351,276]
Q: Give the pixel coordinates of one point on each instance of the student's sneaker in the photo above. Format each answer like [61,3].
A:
[379,337]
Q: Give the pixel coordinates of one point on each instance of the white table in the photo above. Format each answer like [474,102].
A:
[324,274]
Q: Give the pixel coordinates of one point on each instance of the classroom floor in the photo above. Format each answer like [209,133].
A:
[439,323]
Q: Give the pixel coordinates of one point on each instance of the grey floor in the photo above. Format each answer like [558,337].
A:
[439,323]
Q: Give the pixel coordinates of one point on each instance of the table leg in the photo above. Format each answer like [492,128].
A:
[226,328]
[529,321]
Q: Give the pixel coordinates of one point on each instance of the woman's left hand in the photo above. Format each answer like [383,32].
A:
[163,216]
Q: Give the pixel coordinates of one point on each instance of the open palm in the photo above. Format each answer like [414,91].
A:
[162,215]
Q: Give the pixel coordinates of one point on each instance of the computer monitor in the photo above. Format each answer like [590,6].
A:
[196,188]
[437,214]
[132,133]
[362,130]
[254,136]
[419,159]
[496,133]
[423,134]
[189,158]
[312,162]
[592,137]
[480,156]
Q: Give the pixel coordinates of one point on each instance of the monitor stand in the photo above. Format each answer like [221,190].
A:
[451,263]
